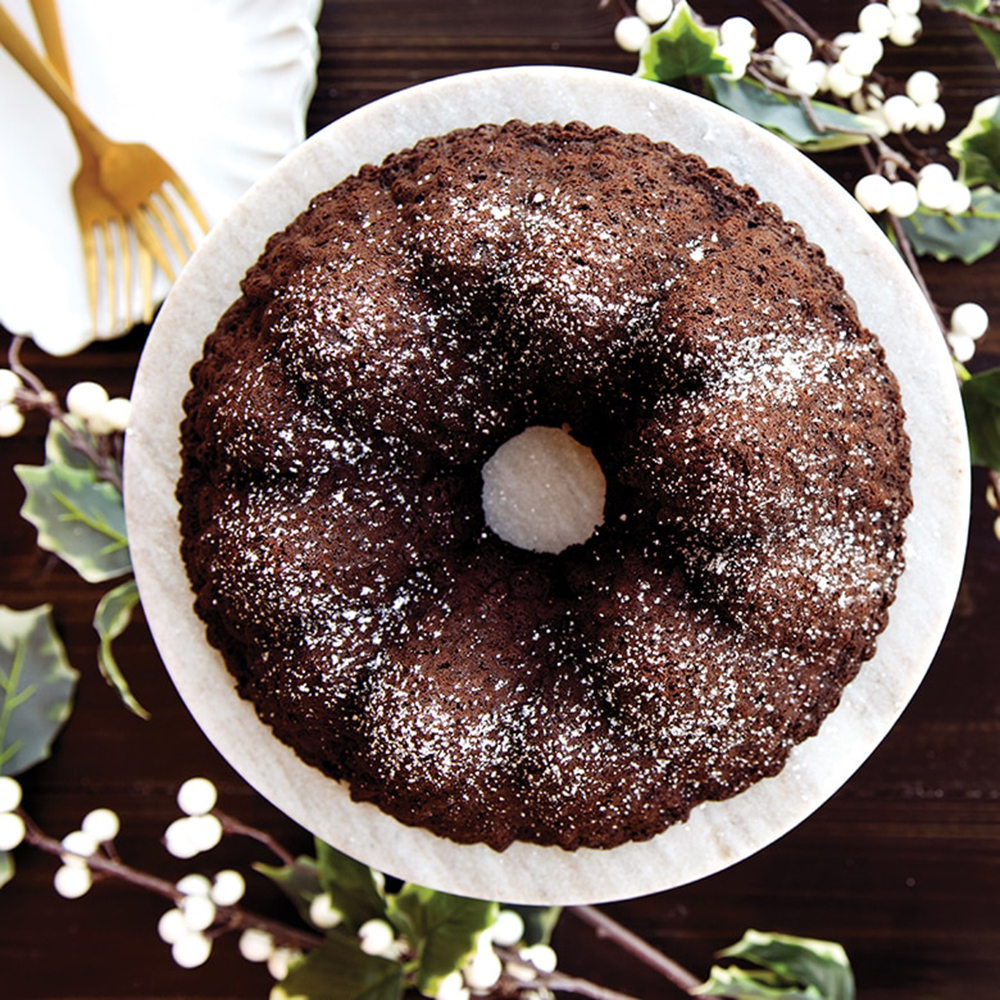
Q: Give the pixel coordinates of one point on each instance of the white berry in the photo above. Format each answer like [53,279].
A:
[935,187]
[793,49]
[808,79]
[483,972]
[11,420]
[970,319]
[228,888]
[101,824]
[172,926]
[197,796]
[840,81]
[900,113]
[903,199]
[451,987]
[923,87]
[654,11]
[113,416]
[631,33]
[205,832]
[737,56]
[256,945]
[905,30]
[861,54]
[199,912]
[10,793]
[930,118]
[72,882]
[323,913]
[874,192]
[961,346]
[78,845]
[280,961]
[191,950]
[541,956]
[86,400]
[194,884]
[178,839]
[508,929]
[376,937]
[875,19]
[12,830]
[961,200]
[738,31]
[10,382]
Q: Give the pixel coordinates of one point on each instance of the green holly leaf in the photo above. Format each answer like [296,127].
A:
[826,127]
[681,47]
[972,6]
[78,517]
[37,685]
[977,146]
[112,617]
[539,922]
[339,970]
[355,890]
[966,237]
[443,930]
[298,881]
[981,400]
[782,968]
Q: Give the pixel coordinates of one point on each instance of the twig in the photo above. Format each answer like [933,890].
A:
[227,917]
[635,946]
[232,825]
[984,21]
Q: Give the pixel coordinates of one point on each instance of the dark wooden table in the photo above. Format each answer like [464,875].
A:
[902,866]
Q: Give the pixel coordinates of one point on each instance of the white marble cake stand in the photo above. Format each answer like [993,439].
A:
[717,834]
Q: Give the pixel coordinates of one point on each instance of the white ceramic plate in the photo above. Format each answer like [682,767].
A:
[719,833]
[220,88]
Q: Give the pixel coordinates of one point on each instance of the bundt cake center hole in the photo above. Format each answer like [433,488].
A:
[543,490]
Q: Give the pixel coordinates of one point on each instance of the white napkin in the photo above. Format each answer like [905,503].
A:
[219,88]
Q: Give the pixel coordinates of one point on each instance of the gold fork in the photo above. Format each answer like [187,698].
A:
[96,214]
[135,178]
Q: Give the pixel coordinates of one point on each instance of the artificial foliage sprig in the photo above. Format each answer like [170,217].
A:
[821,94]
[358,936]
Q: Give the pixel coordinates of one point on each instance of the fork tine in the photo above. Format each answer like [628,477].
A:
[189,199]
[110,291]
[125,258]
[89,245]
[144,261]
[154,208]
[149,237]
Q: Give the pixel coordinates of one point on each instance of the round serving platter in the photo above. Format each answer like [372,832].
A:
[717,834]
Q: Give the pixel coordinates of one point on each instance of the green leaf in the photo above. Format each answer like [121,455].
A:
[788,967]
[977,146]
[981,400]
[972,6]
[6,867]
[681,47]
[966,237]
[299,882]
[829,127]
[539,922]
[59,447]
[443,930]
[37,685]
[355,890]
[79,518]
[112,617]
[752,984]
[990,38]
[339,970]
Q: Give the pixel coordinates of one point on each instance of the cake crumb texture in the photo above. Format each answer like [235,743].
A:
[424,311]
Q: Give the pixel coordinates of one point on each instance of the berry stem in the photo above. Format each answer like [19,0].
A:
[106,464]
[635,946]
[234,826]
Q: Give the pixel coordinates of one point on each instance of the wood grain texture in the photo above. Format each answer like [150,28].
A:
[902,866]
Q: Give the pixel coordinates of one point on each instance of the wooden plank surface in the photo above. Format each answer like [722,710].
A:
[902,866]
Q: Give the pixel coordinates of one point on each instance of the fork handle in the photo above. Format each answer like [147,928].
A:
[41,71]
[54,46]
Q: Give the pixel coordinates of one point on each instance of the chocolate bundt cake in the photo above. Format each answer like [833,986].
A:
[428,310]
